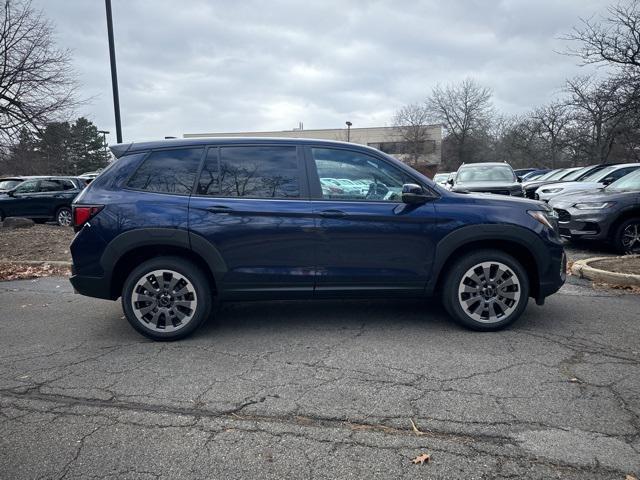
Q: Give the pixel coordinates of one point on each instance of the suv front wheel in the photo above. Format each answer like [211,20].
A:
[486,290]
[166,298]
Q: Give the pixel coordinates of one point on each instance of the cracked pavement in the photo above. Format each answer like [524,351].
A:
[324,389]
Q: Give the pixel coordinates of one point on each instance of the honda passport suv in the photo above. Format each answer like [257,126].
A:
[171,225]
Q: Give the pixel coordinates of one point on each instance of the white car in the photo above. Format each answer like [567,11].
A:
[596,180]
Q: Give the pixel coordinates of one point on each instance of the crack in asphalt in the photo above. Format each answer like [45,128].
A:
[478,444]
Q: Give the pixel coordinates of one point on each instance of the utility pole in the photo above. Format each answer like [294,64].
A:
[114,73]
[348,130]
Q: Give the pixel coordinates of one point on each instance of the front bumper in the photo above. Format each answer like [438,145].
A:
[583,224]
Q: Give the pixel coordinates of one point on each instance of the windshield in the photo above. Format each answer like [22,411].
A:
[596,176]
[9,184]
[547,175]
[628,182]
[556,174]
[485,173]
[576,174]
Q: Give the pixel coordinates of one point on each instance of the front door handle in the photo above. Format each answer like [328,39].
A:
[333,214]
[219,209]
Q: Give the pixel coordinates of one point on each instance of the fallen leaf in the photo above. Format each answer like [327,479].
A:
[574,380]
[422,459]
[415,429]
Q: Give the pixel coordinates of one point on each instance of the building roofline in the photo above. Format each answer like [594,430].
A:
[353,129]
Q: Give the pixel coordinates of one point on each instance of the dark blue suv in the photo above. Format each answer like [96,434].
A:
[172,224]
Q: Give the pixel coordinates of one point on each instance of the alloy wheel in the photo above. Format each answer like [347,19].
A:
[64,217]
[631,238]
[489,292]
[164,300]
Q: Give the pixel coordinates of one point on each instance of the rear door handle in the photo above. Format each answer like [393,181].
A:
[333,214]
[219,209]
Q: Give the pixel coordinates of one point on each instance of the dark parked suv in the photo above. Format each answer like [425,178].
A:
[41,198]
[170,225]
[608,214]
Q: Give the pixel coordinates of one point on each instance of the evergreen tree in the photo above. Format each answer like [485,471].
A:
[24,157]
[86,147]
[54,148]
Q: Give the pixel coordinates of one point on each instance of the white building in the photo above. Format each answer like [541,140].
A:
[386,139]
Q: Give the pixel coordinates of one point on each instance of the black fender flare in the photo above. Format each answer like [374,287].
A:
[473,233]
[158,237]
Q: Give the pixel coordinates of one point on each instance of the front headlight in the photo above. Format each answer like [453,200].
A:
[552,190]
[549,218]
[593,205]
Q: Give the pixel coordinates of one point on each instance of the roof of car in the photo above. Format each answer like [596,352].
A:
[122,148]
[624,165]
[485,164]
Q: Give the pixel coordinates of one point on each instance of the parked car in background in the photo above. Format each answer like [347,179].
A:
[168,231]
[599,178]
[534,175]
[521,172]
[42,199]
[561,175]
[551,177]
[490,177]
[441,178]
[611,214]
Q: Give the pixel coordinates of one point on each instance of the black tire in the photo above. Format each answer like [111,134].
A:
[496,287]
[197,283]
[628,226]
[64,217]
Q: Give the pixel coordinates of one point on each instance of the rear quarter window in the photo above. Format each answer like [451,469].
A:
[168,171]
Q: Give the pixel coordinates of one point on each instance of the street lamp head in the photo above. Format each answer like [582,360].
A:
[348,123]
[104,132]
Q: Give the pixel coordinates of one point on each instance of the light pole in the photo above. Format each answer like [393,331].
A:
[348,130]
[114,73]
[104,140]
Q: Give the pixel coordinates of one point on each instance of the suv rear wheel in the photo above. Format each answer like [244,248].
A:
[626,239]
[166,298]
[486,290]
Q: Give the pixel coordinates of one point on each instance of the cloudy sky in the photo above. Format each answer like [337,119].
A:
[189,66]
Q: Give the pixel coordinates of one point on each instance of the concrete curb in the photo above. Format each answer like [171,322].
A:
[581,269]
[56,263]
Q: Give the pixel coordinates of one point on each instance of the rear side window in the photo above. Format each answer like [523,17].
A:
[168,171]
[255,172]
[56,185]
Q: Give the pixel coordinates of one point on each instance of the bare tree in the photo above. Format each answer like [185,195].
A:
[603,110]
[614,39]
[411,123]
[551,121]
[37,84]
[465,110]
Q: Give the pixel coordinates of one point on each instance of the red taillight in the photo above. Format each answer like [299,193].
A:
[83,213]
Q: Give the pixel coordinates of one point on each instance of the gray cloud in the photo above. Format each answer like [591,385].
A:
[196,65]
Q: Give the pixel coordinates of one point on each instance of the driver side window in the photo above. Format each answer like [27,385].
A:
[28,187]
[348,175]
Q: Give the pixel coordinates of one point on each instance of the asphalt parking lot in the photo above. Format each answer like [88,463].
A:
[326,389]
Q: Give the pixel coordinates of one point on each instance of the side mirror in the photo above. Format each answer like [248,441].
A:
[11,193]
[450,181]
[414,194]
[519,179]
